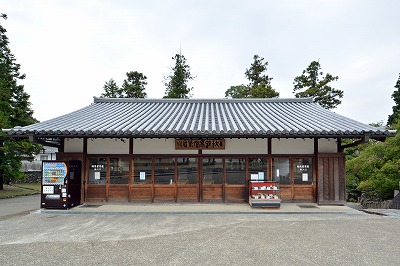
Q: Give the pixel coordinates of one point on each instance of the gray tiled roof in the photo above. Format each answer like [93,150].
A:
[201,118]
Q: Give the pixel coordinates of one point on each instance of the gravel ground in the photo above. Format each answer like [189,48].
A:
[354,238]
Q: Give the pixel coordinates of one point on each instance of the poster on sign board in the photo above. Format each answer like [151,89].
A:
[142,175]
[260,175]
[254,177]
[97,175]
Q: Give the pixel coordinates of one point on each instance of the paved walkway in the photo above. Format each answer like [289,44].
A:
[384,212]
[205,208]
[18,206]
[23,205]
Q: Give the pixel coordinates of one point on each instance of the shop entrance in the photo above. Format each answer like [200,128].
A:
[201,178]
[187,184]
[295,177]
[212,175]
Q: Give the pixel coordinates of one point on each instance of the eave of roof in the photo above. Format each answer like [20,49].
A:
[201,118]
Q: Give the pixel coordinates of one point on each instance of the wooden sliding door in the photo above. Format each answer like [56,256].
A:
[212,179]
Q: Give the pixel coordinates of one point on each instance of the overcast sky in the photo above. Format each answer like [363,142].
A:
[68,49]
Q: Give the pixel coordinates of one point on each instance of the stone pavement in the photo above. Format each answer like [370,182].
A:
[18,206]
[215,208]
[23,205]
[201,208]
[384,212]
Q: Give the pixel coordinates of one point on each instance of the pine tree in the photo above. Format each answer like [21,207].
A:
[396,108]
[134,85]
[15,110]
[111,90]
[312,83]
[260,83]
[177,82]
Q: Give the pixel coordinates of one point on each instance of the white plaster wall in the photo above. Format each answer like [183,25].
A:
[158,146]
[242,146]
[108,146]
[327,145]
[292,146]
[73,145]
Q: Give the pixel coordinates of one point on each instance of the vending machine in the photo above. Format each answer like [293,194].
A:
[61,184]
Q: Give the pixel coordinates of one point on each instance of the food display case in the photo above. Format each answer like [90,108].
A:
[264,194]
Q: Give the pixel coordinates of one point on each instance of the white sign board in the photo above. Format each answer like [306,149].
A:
[97,175]
[142,175]
[304,177]
[48,189]
[260,175]
[254,176]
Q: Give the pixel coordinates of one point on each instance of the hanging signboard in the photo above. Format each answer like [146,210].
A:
[200,144]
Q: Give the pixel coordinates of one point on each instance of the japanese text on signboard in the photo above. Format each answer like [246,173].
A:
[200,144]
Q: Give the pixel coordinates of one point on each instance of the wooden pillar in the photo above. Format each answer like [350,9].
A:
[108,173]
[315,168]
[62,145]
[85,145]
[269,146]
[223,180]
[130,145]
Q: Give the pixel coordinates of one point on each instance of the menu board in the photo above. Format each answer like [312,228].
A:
[54,173]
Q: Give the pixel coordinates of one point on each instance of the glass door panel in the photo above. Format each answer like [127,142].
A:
[281,173]
[212,179]
[142,168]
[235,171]
[164,179]
[97,171]
[187,179]
[212,171]
[235,182]
[97,179]
[142,188]
[119,179]
[281,170]
[303,185]
[303,171]
[119,171]
[258,169]
[187,171]
[164,171]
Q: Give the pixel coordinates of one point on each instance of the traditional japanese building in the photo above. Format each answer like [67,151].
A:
[204,150]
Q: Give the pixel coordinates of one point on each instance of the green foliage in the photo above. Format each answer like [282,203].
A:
[396,108]
[111,90]
[10,158]
[240,91]
[177,82]
[134,86]
[15,110]
[312,83]
[260,83]
[351,152]
[376,170]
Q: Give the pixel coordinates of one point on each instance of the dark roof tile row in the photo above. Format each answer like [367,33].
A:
[201,118]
